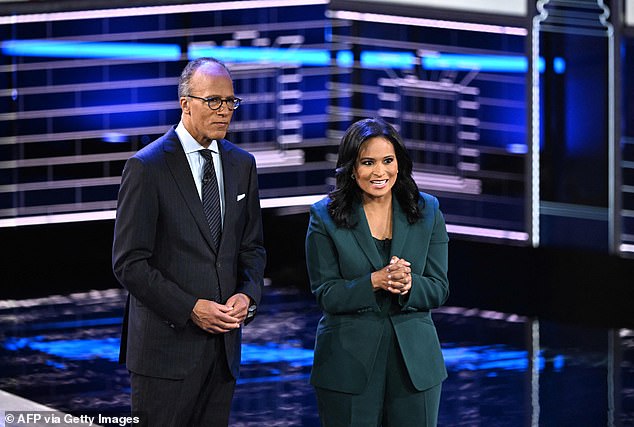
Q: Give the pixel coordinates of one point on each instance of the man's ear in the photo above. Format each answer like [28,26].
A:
[184,104]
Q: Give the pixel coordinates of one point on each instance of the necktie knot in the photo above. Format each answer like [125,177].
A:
[206,153]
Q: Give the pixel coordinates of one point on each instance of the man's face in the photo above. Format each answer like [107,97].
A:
[204,124]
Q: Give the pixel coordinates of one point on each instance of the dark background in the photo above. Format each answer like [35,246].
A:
[569,285]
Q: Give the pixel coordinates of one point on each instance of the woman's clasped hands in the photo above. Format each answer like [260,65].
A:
[396,277]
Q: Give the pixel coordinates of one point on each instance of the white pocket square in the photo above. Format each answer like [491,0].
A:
[240,197]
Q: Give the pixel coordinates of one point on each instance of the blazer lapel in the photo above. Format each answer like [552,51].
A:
[364,238]
[400,228]
[180,170]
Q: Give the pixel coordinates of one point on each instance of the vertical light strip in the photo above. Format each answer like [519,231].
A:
[613,186]
[536,120]
[535,362]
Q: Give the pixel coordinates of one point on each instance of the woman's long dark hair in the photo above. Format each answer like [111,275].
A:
[347,192]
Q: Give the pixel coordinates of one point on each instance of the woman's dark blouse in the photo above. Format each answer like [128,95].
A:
[386,300]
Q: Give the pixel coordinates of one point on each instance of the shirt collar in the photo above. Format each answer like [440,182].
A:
[190,145]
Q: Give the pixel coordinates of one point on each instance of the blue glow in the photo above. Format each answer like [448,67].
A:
[56,365]
[517,148]
[328,34]
[559,362]
[319,57]
[108,348]
[274,352]
[559,65]
[82,349]
[345,58]
[492,63]
[485,358]
[79,49]
[316,57]
[378,59]
[115,138]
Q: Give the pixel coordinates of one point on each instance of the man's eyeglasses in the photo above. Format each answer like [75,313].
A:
[215,102]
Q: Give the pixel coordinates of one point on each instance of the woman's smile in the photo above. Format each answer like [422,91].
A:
[376,168]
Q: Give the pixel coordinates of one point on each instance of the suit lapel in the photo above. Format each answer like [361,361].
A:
[180,170]
[231,177]
[364,238]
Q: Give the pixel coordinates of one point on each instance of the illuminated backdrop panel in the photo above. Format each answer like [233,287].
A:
[86,89]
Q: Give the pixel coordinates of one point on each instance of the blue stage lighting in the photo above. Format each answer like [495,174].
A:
[318,57]
[517,148]
[382,59]
[490,63]
[559,65]
[79,49]
[345,58]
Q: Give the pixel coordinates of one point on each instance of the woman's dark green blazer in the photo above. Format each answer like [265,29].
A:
[340,262]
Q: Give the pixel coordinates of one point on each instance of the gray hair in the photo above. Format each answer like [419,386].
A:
[184,81]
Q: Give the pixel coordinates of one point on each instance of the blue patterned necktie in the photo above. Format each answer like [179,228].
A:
[211,197]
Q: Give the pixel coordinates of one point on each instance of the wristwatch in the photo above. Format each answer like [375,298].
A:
[251,312]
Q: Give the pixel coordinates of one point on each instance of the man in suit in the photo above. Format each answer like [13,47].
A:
[188,248]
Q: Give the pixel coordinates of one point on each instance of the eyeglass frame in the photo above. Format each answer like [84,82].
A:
[236,101]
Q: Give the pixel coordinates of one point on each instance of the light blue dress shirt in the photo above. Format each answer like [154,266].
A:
[197,163]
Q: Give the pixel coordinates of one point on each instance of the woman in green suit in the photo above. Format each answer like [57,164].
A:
[376,251]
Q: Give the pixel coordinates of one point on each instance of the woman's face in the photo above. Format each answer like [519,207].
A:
[376,167]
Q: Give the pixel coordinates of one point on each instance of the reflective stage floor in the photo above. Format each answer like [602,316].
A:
[504,369]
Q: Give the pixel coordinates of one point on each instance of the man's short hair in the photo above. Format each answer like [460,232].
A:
[184,81]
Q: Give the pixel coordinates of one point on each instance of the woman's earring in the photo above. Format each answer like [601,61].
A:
[353,177]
